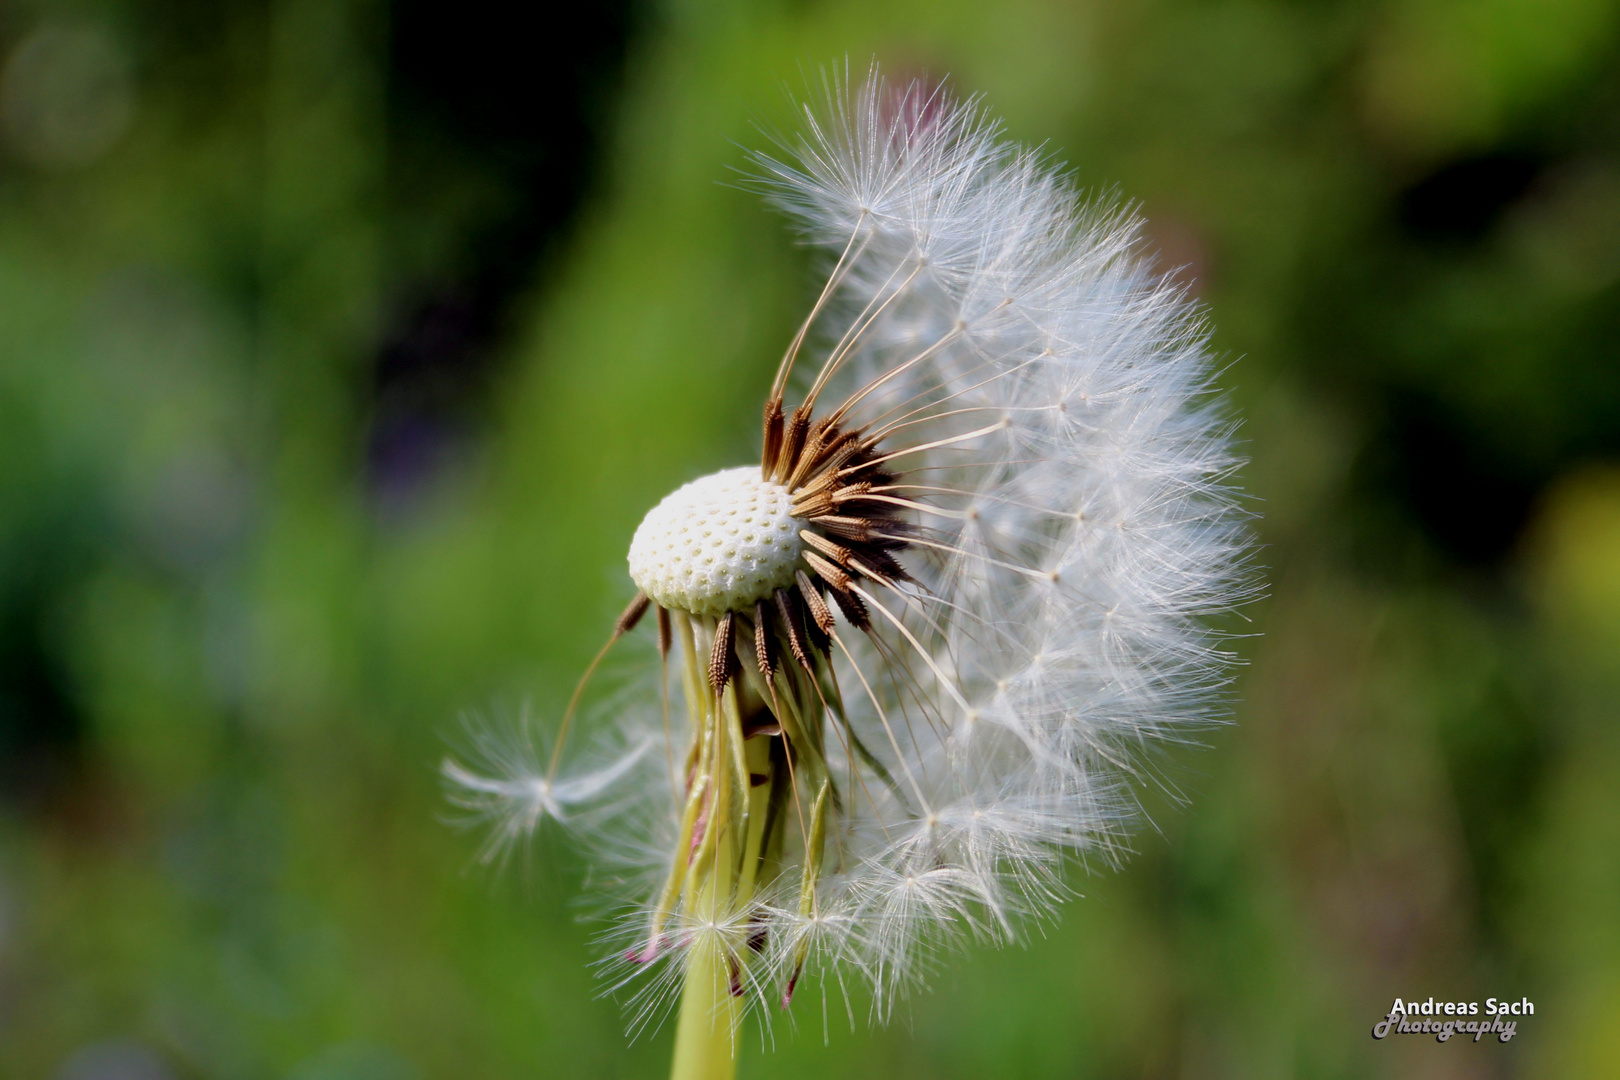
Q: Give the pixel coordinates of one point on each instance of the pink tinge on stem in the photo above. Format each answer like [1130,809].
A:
[656,944]
[787,995]
[699,827]
[650,951]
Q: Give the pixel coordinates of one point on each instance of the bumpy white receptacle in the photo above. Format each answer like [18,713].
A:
[718,544]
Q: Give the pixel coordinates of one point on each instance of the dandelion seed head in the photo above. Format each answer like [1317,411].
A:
[717,544]
[927,644]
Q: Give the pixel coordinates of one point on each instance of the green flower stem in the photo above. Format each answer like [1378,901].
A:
[725,852]
[706,1033]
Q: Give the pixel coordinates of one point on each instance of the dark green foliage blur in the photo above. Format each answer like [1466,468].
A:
[343,344]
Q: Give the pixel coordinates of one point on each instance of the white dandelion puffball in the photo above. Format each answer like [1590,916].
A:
[924,645]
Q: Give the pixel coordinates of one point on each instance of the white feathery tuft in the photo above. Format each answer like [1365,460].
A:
[1046,398]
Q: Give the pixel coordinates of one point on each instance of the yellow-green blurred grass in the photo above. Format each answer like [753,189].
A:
[1572,873]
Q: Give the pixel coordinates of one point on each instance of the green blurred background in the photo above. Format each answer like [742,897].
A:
[344,342]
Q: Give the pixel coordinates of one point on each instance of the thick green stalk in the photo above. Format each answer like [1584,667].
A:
[733,778]
[706,1033]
